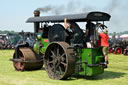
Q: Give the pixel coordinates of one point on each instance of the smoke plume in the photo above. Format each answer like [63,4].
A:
[112,6]
[45,9]
[72,7]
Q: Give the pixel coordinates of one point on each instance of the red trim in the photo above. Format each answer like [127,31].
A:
[45,40]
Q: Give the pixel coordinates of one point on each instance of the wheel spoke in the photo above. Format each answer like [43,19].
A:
[55,51]
[54,70]
[58,64]
[61,72]
[53,54]
[51,68]
[62,57]
[58,51]
[64,64]
[50,62]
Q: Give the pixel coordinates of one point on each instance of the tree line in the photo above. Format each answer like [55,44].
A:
[6,31]
[119,33]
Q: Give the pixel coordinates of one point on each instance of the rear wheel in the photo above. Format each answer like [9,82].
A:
[59,60]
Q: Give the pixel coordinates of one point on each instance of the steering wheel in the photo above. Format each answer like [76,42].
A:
[100,26]
[97,27]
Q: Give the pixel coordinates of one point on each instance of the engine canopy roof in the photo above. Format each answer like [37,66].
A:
[92,16]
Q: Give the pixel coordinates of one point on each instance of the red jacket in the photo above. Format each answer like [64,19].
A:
[104,39]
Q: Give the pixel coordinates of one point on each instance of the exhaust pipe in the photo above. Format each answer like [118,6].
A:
[36,24]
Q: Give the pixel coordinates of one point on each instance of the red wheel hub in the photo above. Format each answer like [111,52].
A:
[110,50]
[118,51]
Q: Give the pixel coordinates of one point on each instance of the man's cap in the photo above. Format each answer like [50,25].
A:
[105,30]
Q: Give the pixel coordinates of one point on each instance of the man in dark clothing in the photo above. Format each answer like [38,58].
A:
[89,33]
[74,31]
[67,26]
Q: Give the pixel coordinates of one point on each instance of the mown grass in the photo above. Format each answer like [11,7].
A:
[115,74]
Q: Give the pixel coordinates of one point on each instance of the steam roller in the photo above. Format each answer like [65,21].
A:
[26,60]
[63,52]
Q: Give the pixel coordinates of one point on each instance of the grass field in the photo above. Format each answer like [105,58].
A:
[115,74]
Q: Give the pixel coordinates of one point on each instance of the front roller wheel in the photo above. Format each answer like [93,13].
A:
[59,60]
[27,60]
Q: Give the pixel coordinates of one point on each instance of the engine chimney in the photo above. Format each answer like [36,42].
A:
[36,13]
[36,24]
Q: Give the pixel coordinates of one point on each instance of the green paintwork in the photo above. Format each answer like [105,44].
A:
[40,45]
[45,44]
[36,47]
[93,56]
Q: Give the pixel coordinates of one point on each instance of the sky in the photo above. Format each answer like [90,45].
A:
[14,13]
